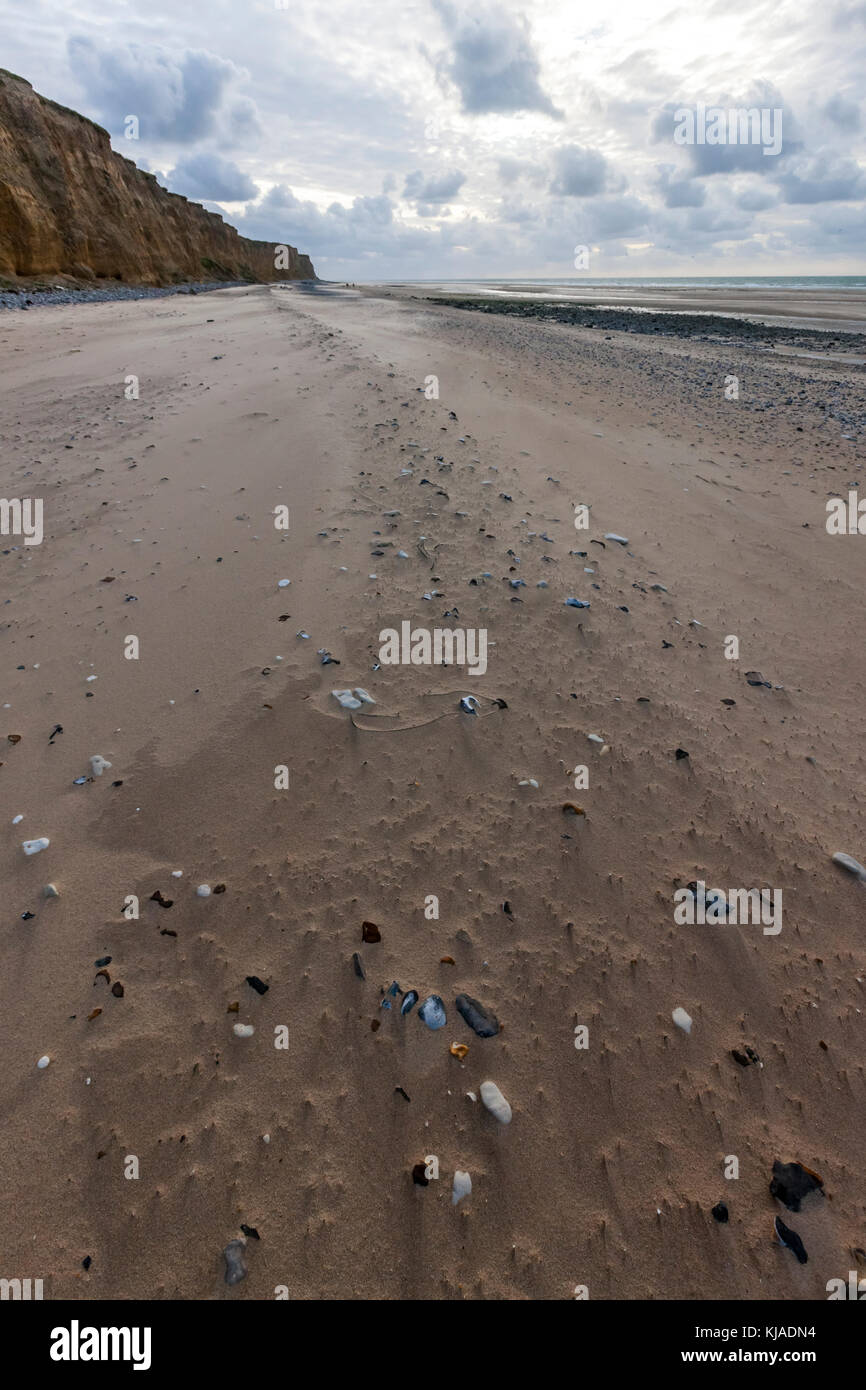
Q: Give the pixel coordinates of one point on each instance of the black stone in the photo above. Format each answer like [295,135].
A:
[792,1182]
[480,1020]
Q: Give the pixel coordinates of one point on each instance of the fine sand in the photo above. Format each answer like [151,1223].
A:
[159,525]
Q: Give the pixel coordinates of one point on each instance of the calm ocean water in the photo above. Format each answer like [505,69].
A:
[719,282]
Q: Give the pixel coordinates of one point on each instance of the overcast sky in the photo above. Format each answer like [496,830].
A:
[431,139]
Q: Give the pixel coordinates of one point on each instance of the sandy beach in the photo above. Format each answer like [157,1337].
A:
[387,423]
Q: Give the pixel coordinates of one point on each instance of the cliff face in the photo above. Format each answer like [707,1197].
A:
[71,207]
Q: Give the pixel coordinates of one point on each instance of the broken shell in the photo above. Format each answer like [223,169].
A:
[458,1050]
[432,1012]
[846,861]
[461,1188]
[346,699]
[34,846]
[572,809]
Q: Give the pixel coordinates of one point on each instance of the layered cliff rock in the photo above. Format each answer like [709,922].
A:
[71,207]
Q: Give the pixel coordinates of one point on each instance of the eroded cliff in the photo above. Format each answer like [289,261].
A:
[71,207]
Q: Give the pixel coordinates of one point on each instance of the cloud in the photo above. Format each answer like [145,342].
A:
[210,176]
[176,96]
[755,200]
[439,188]
[824,180]
[492,62]
[510,170]
[678,193]
[582,173]
[775,125]
[843,113]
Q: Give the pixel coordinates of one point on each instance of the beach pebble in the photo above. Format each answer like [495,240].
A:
[791,1182]
[845,861]
[203,890]
[98,764]
[233,1254]
[16,820]
[346,699]
[791,1241]
[284,583]
[576,603]
[43,1062]
[492,1097]
[243,1030]
[461,1188]
[682,1020]
[50,891]
[34,846]
[482,1021]
[432,1012]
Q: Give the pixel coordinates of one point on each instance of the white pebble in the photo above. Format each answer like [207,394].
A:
[203,891]
[177,873]
[682,1020]
[43,1062]
[34,846]
[98,764]
[492,1097]
[243,1030]
[462,1187]
[16,820]
[284,583]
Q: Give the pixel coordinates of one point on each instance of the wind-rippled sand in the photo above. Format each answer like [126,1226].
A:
[159,524]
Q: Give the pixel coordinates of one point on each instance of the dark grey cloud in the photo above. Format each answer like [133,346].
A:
[176,96]
[202,175]
[823,180]
[679,193]
[582,173]
[492,61]
[433,188]
[737,154]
